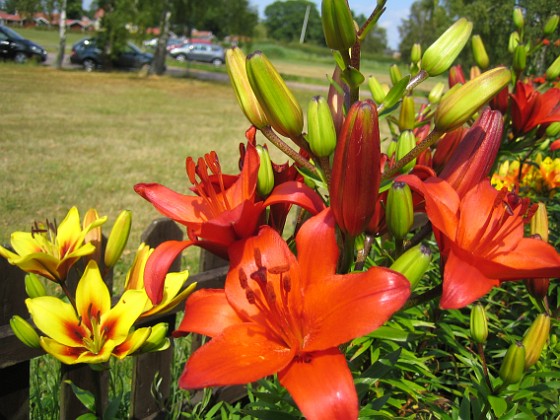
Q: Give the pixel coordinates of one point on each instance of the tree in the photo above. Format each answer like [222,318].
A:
[74,9]
[230,17]
[25,8]
[284,20]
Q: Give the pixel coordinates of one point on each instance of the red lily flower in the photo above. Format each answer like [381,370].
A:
[288,315]
[530,108]
[224,210]
[480,236]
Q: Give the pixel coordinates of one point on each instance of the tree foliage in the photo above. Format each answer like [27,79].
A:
[284,21]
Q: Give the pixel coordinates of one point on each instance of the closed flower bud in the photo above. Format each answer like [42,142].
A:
[94,236]
[321,133]
[399,214]
[446,146]
[440,55]
[539,222]
[265,177]
[475,72]
[479,52]
[513,364]
[413,263]
[395,74]
[456,76]
[405,143]
[118,238]
[279,104]
[553,71]
[407,116]
[236,68]
[356,169]
[157,340]
[338,24]
[550,25]
[553,128]
[436,93]
[377,91]
[518,19]
[513,41]
[457,107]
[416,53]
[33,286]
[479,324]
[336,98]
[24,332]
[535,338]
[519,58]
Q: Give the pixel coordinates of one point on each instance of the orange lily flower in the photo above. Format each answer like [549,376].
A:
[284,314]
[530,108]
[480,236]
[91,331]
[51,251]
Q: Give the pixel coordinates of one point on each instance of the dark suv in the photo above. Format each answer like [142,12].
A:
[209,53]
[15,47]
[87,54]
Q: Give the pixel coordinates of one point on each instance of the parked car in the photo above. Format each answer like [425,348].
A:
[15,47]
[209,53]
[87,54]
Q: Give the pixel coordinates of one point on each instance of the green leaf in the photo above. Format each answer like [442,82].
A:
[498,404]
[87,416]
[390,333]
[353,76]
[465,408]
[85,397]
[396,93]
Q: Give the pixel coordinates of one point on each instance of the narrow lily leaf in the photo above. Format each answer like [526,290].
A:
[85,397]
[338,59]
[353,76]
[499,405]
[395,94]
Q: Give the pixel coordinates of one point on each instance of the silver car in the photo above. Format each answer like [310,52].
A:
[208,53]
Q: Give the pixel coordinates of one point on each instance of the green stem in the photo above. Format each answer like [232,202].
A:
[423,298]
[278,142]
[347,254]
[416,80]
[480,348]
[362,255]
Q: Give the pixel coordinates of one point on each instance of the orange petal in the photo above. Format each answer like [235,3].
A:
[463,283]
[243,353]
[298,193]
[321,385]
[207,312]
[344,307]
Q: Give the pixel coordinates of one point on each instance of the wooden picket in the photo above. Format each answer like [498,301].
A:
[15,356]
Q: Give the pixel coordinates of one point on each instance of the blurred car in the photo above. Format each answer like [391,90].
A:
[15,47]
[87,54]
[208,53]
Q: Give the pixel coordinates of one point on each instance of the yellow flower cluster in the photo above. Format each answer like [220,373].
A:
[540,177]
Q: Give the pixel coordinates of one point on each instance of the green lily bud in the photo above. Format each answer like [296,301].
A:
[440,55]
[265,176]
[338,24]
[479,324]
[236,68]
[395,74]
[413,263]
[458,106]
[513,41]
[479,52]
[513,364]
[321,133]
[436,93]
[157,339]
[377,91]
[405,143]
[391,148]
[279,104]
[33,286]
[407,116]
[519,58]
[550,25]
[553,71]
[518,19]
[535,338]
[553,128]
[24,332]
[416,53]
[399,213]
[539,222]
[118,238]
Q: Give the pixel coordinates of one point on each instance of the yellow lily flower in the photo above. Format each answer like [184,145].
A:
[91,331]
[172,285]
[50,251]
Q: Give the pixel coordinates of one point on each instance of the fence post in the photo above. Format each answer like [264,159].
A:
[144,404]
[14,379]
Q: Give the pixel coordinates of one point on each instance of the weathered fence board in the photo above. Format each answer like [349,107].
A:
[15,356]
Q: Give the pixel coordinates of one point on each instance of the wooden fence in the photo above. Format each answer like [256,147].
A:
[15,356]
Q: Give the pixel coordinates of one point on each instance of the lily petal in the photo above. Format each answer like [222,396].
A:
[92,295]
[321,385]
[207,312]
[132,343]
[73,355]
[359,303]
[463,283]
[298,193]
[117,323]
[243,353]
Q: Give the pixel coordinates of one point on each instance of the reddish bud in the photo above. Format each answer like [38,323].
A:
[445,147]
[356,171]
[456,75]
